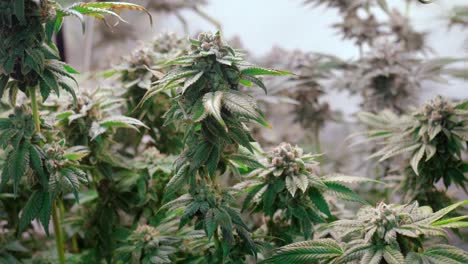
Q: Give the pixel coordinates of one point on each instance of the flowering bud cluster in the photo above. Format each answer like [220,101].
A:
[146,233]
[384,218]
[284,157]
[209,43]
[437,110]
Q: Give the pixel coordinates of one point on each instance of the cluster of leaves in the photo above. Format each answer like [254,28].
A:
[163,243]
[290,192]
[121,182]
[308,90]
[51,170]
[393,234]
[29,57]
[388,77]
[391,71]
[215,211]
[213,111]
[138,208]
[145,66]
[305,87]
[92,122]
[38,155]
[28,54]
[434,137]
[11,249]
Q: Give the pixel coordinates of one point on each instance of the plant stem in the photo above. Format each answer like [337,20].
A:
[74,242]
[55,217]
[35,110]
[58,234]
[218,247]
[62,219]
[75,247]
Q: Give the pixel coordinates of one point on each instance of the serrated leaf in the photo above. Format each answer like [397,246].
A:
[116,7]
[31,210]
[19,165]
[19,11]
[37,165]
[254,80]
[417,158]
[263,71]
[192,80]
[3,84]
[319,201]
[344,192]
[291,185]
[121,121]
[212,105]
[301,181]
[198,111]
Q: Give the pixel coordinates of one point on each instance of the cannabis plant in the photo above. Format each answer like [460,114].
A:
[136,74]
[392,234]
[301,95]
[213,111]
[389,77]
[289,190]
[29,56]
[390,69]
[30,62]
[434,139]
[163,243]
[308,89]
[93,121]
[11,250]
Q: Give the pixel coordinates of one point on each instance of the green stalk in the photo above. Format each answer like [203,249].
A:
[55,218]
[35,110]
[74,241]
[62,219]
[58,234]
[75,247]
[218,247]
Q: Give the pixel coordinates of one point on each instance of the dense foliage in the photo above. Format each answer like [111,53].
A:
[156,158]
[434,136]
[384,234]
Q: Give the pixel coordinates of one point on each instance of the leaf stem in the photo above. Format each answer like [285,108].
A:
[35,110]
[58,234]
[219,249]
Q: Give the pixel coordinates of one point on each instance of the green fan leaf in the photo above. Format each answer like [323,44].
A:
[212,105]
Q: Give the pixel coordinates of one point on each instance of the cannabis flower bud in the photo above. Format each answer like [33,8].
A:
[436,110]
[284,158]
[209,44]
